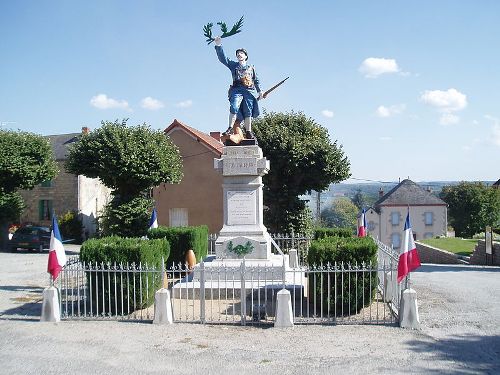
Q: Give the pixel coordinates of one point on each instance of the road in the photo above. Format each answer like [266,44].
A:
[459,310]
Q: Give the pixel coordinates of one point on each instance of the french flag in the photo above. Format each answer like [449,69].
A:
[362,224]
[153,222]
[408,259]
[57,256]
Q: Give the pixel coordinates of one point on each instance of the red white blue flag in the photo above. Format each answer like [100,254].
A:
[362,224]
[408,259]
[153,222]
[57,256]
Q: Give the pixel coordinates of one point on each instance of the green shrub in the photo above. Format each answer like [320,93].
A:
[114,254]
[126,218]
[71,226]
[332,232]
[345,293]
[181,240]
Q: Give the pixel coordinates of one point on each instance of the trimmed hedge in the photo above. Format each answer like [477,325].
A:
[181,240]
[332,232]
[349,293]
[136,289]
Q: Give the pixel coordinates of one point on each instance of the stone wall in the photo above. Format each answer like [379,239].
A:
[429,254]
[480,257]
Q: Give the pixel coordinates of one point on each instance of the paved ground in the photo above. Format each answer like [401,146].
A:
[459,310]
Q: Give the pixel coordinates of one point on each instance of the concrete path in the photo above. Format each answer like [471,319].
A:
[460,334]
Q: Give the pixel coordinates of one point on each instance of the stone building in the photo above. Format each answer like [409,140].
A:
[66,192]
[386,219]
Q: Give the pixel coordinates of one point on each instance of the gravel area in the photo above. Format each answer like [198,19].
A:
[459,311]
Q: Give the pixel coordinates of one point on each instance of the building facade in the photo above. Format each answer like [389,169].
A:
[386,219]
[197,199]
[66,192]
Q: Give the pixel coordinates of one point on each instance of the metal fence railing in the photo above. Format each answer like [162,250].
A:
[218,292]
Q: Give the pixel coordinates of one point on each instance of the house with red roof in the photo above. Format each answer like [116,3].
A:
[197,199]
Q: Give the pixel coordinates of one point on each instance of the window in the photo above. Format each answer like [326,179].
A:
[371,226]
[395,218]
[44,209]
[178,217]
[429,218]
[396,240]
[46,183]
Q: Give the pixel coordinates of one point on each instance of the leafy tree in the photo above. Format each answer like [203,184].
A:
[359,200]
[471,207]
[130,161]
[26,160]
[342,213]
[71,226]
[302,159]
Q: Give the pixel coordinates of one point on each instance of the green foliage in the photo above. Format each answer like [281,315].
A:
[349,293]
[128,160]
[471,207]
[455,245]
[320,233]
[126,218]
[25,160]
[71,226]
[302,159]
[342,213]
[11,207]
[181,240]
[360,200]
[136,289]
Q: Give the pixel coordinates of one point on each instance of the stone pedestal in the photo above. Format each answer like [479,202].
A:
[50,305]
[243,233]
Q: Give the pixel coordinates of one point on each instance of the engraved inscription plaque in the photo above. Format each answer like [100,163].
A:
[240,166]
[241,207]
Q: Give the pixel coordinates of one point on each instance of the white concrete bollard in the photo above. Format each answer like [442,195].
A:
[388,286]
[284,314]
[50,305]
[163,307]
[293,260]
[408,310]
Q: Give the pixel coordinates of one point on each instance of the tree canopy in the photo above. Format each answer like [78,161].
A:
[471,207]
[302,159]
[26,159]
[342,213]
[130,161]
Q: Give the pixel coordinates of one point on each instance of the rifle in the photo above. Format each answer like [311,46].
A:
[267,92]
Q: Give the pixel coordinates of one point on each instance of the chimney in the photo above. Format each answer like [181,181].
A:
[215,135]
[85,130]
[380,193]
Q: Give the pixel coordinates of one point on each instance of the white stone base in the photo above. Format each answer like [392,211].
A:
[408,310]
[284,313]
[163,307]
[50,305]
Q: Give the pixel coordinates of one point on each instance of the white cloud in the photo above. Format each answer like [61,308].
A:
[385,139]
[151,104]
[185,104]
[449,119]
[372,67]
[450,100]
[383,111]
[102,101]
[327,113]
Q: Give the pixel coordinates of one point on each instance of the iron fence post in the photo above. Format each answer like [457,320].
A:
[243,295]
[202,292]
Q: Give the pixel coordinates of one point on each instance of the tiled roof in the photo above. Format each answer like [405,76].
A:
[60,143]
[209,141]
[409,193]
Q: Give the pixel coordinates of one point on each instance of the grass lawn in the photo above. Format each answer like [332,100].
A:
[455,245]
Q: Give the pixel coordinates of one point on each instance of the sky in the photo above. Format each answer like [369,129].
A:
[409,89]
